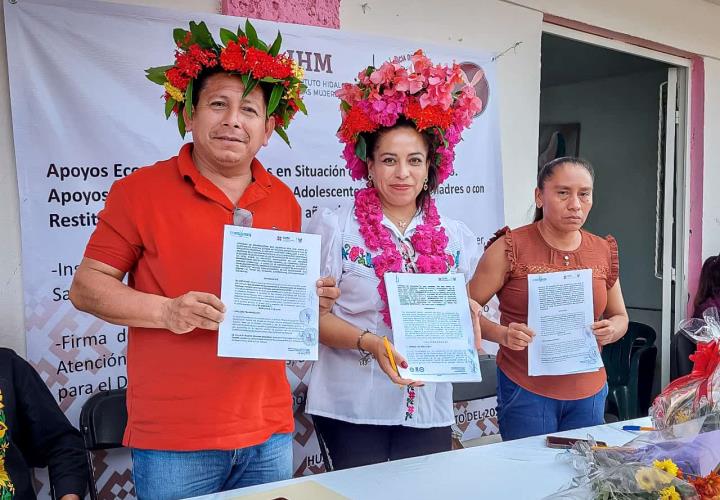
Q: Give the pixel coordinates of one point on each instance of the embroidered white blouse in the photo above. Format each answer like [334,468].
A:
[340,387]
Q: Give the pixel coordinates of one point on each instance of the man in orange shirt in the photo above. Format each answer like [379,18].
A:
[197,423]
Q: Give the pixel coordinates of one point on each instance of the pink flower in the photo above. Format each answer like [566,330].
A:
[420,62]
[408,83]
[349,93]
[429,241]
[354,253]
[357,167]
[384,110]
[384,74]
[411,409]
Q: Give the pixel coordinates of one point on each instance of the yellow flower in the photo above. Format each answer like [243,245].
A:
[667,465]
[650,479]
[297,71]
[174,92]
[669,493]
[645,478]
[3,429]
[4,477]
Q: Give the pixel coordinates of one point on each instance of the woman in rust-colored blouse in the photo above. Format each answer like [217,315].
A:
[529,406]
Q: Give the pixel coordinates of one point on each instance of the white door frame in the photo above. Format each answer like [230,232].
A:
[682,181]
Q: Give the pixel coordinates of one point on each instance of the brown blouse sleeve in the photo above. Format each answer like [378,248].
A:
[505,233]
[614,262]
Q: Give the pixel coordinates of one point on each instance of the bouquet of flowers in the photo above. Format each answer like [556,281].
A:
[697,393]
[677,463]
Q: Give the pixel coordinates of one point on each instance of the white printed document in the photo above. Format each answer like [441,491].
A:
[560,312]
[432,327]
[270,292]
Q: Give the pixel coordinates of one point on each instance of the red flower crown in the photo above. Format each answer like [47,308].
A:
[242,53]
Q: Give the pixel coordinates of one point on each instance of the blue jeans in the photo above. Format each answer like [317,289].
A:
[522,413]
[171,475]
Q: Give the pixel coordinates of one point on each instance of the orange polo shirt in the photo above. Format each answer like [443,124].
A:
[163,225]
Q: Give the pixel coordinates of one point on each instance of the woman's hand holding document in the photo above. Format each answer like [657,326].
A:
[560,312]
[432,327]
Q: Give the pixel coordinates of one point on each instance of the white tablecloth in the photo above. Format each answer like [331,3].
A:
[515,470]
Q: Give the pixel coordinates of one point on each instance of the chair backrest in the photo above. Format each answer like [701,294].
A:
[469,391]
[616,356]
[681,347]
[102,420]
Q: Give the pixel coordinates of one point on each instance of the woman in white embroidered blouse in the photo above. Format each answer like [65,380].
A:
[404,149]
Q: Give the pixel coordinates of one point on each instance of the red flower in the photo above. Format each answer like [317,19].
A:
[233,58]
[282,120]
[189,64]
[204,57]
[429,116]
[183,44]
[177,79]
[355,122]
[263,64]
[708,487]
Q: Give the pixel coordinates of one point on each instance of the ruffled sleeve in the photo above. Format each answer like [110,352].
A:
[506,234]
[326,223]
[614,262]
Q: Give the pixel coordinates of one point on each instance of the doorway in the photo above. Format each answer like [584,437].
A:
[610,107]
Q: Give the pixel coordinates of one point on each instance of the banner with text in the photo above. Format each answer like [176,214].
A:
[84,115]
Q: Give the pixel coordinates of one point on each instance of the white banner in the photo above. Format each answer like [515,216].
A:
[84,116]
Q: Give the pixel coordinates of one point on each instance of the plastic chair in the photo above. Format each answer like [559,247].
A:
[102,422]
[623,360]
[681,347]
[469,391]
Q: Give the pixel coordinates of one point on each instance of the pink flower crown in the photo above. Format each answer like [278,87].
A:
[436,98]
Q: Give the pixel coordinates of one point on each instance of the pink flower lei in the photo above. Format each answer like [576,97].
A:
[429,241]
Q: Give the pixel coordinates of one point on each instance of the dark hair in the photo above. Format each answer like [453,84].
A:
[709,284]
[372,140]
[548,170]
[201,81]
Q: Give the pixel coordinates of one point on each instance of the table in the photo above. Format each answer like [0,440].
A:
[516,470]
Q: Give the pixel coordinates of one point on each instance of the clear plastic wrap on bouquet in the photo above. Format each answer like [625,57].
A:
[656,465]
[697,393]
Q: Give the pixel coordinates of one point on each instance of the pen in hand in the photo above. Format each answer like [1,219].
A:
[390,355]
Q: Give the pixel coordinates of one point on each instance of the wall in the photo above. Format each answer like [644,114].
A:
[684,24]
[618,134]
[711,177]
[12,332]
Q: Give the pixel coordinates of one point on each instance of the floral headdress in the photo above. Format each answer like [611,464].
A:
[241,53]
[435,98]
